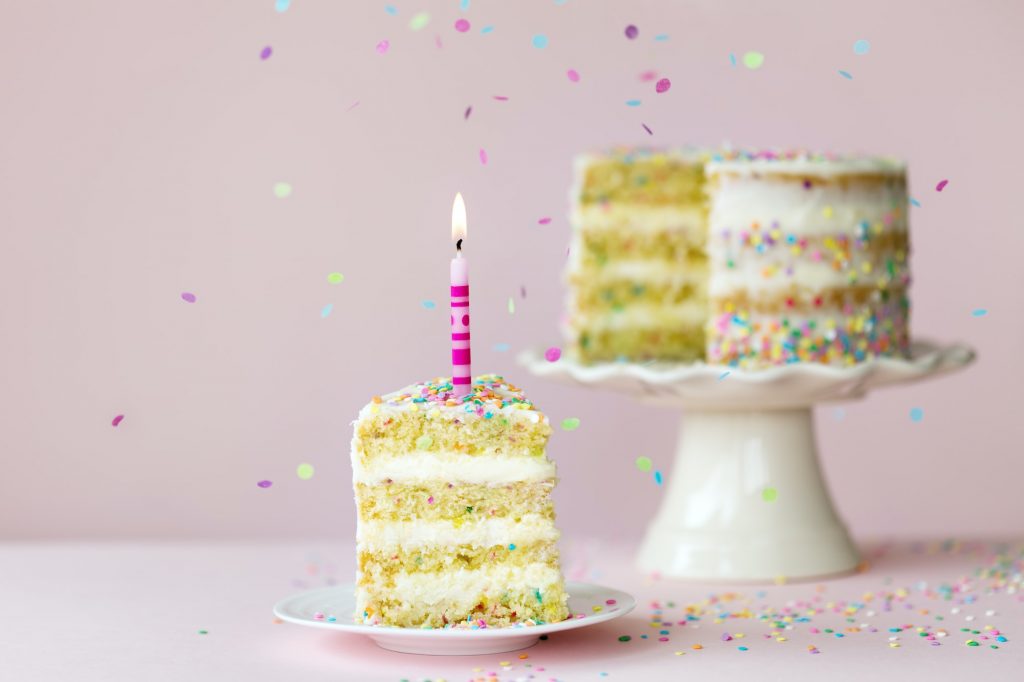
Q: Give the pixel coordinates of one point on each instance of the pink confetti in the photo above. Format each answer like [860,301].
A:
[483,156]
[265,484]
[461,25]
[383,46]
[544,221]
[501,98]
[266,52]
[648,76]
[469,110]
[649,131]
[437,41]
[188,297]
[353,105]
[941,186]
[553,354]
[632,32]
[663,85]
[116,420]
[573,75]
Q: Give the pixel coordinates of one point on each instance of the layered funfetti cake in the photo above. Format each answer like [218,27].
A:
[809,259]
[455,519]
[737,258]
[638,270]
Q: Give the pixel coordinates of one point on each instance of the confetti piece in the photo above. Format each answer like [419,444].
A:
[501,347]
[846,75]
[661,37]
[428,304]
[205,632]
[644,464]
[625,638]
[649,131]
[424,442]
[353,106]
[553,354]
[282,5]
[437,41]
[544,221]
[486,29]
[419,21]
[915,202]
[483,156]
[188,297]
[282,190]
[571,423]
[573,75]
[335,278]
[753,60]
[632,32]
[391,9]
[266,52]
[469,110]
[724,375]
[916,414]
[117,420]
[461,25]
[663,85]
[941,186]
[732,59]
[522,291]
[463,5]
[304,471]
[326,310]
[633,102]
[264,484]
[501,98]
[861,47]
[769,494]
[511,306]
[979,312]
[382,47]
[657,477]
[648,76]
[540,41]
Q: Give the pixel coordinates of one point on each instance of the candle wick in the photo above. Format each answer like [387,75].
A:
[458,245]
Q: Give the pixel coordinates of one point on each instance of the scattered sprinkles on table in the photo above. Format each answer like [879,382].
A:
[335,278]
[540,41]
[632,32]
[573,75]
[916,414]
[571,423]
[979,312]
[845,74]
[644,464]
[419,21]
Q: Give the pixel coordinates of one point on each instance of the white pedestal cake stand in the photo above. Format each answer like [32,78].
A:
[743,433]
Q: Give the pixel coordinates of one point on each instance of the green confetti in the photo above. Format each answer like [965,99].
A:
[282,190]
[625,638]
[424,442]
[644,464]
[335,278]
[304,471]
[753,60]
[769,494]
[419,21]
[203,632]
[571,423]
[511,306]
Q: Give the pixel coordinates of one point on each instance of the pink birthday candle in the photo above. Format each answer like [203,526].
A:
[461,373]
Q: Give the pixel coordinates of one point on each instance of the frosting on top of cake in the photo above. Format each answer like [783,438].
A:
[802,162]
[490,395]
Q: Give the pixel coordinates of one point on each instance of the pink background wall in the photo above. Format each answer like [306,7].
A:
[141,143]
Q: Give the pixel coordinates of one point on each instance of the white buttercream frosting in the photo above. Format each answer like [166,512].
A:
[461,589]
[455,467]
[389,536]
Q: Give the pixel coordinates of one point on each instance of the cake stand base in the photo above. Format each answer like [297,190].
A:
[746,501]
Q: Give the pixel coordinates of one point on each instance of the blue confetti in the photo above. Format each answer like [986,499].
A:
[501,347]
[326,310]
[486,29]
[916,414]
[915,202]
[839,414]
[632,102]
[732,59]
[391,9]
[661,37]
[861,47]
[845,74]
[979,312]
[429,305]
[657,477]
[282,5]
[723,375]
[464,5]
[540,41]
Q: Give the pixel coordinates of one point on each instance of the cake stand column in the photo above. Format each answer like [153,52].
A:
[746,501]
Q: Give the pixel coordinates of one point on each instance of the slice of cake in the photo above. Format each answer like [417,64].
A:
[808,259]
[455,519]
[638,270]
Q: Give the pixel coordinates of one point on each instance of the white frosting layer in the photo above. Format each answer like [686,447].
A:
[688,313]
[748,274]
[809,167]
[690,219]
[653,271]
[461,590]
[388,536]
[455,467]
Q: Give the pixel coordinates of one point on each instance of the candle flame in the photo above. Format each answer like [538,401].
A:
[458,218]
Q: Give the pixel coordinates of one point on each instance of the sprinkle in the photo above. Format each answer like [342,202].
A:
[188,297]
[428,304]
[753,60]
[430,500]
[483,156]
[391,9]
[116,420]
[353,105]
[282,5]
[511,547]
[661,37]
[643,464]
[419,21]
[573,75]
[698,647]
[204,632]
[742,648]
[501,98]
[649,131]
[501,347]
[461,25]
[511,306]
[335,278]
[861,47]
[657,477]
[553,354]
[979,312]
[540,41]
[282,190]
[633,102]
[769,494]
[941,186]
[326,310]
[318,615]
[463,5]
[732,59]
[383,46]
[632,32]
[266,52]
[264,484]
[624,638]
[571,423]
[544,221]
[648,76]
[663,85]
[724,375]
[915,202]
[424,442]
[304,471]
[486,29]
[845,74]
[916,414]
[971,642]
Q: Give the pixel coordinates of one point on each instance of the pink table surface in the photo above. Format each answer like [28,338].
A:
[135,611]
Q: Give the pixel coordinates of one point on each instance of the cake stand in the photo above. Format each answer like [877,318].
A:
[746,500]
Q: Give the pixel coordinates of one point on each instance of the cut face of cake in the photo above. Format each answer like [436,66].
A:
[637,265]
[455,518]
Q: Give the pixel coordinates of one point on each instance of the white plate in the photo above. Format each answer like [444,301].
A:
[340,602]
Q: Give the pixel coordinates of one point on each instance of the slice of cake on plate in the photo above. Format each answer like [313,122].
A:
[455,519]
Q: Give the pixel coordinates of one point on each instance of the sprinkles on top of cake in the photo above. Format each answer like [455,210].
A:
[489,393]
